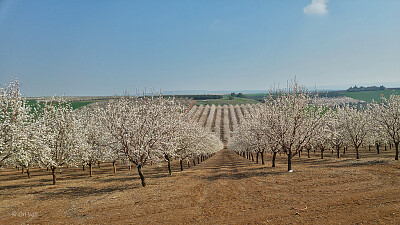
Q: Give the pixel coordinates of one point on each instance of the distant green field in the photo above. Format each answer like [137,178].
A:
[368,96]
[257,95]
[74,105]
[226,101]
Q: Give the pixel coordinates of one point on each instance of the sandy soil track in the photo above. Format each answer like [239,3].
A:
[225,189]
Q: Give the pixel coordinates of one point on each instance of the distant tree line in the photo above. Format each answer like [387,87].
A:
[197,97]
[371,88]
[239,95]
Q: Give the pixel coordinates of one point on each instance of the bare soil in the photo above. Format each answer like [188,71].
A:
[225,189]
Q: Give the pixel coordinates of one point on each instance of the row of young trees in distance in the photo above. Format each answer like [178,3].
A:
[290,121]
[139,130]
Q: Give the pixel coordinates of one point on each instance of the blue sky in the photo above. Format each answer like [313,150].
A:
[79,47]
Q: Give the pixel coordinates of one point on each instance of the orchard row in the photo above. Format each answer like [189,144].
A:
[133,129]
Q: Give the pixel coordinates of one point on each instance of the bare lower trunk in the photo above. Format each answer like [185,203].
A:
[308,152]
[377,148]
[396,145]
[98,164]
[22,169]
[169,163]
[90,169]
[139,167]
[344,150]
[252,158]
[290,160]
[299,154]
[169,168]
[257,157]
[53,172]
[28,172]
[198,160]
[385,148]
[262,157]
[322,153]
[194,162]
[273,159]
[181,164]
[188,164]
[338,151]
[358,153]
[83,167]
[114,167]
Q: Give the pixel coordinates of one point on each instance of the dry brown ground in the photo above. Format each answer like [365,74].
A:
[225,189]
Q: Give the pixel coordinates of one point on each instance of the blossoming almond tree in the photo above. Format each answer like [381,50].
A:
[356,124]
[335,132]
[294,119]
[14,125]
[94,139]
[387,115]
[138,126]
[60,141]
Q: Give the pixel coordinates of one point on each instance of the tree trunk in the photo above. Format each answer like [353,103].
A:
[169,167]
[114,167]
[98,164]
[139,168]
[322,153]
[377,148]
[344,150]
[53,172]
[22,169]
[262,158]
[47,168]
[273,159]
[198,160]
[289,160]
[83,167]
[299,154]
[257,157]
[194,162]
[308,152]
[396,145]
[130,165]
[181,163]
[188,164]
[28,172]
[385,148]
[252,158]
[90,169]
[338,151]
[358,154]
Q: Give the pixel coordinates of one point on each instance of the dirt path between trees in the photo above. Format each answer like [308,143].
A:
[225,189]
